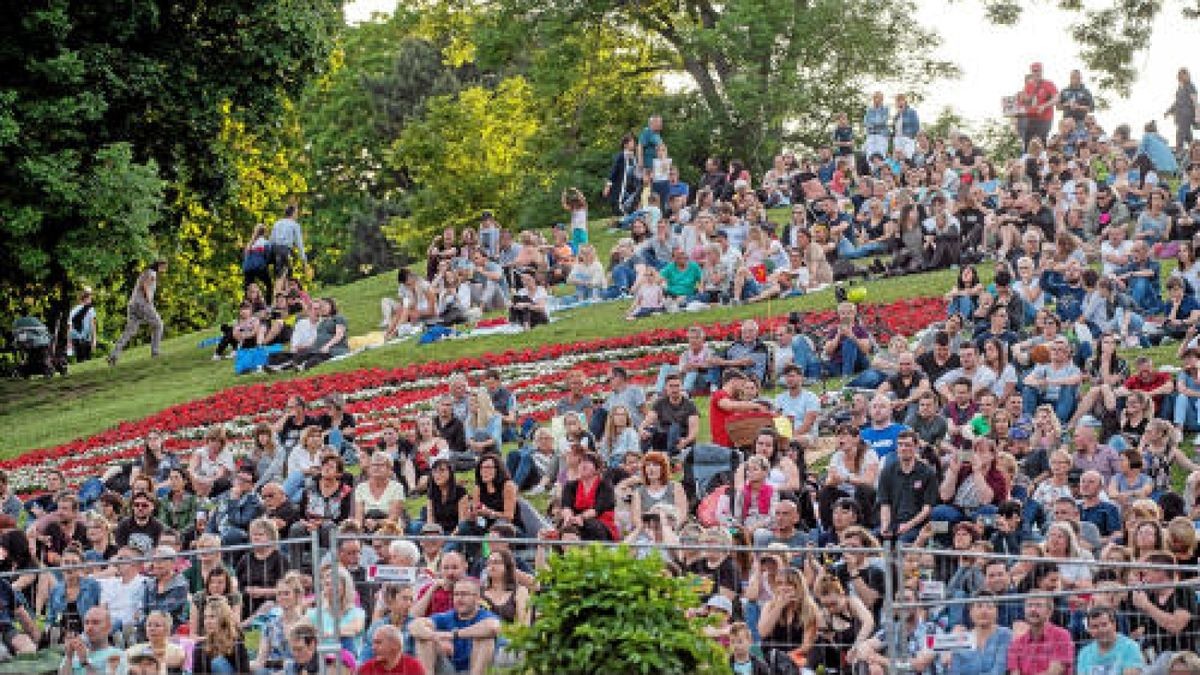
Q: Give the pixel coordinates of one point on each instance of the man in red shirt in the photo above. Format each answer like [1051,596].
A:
[1040,98]
[724,403]
[390,658]
[438,596]
[1044,648]
[1145,378]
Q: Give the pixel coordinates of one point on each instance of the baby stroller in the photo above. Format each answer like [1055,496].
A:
[34,345]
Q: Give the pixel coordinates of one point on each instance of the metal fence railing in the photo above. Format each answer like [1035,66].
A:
[925,591]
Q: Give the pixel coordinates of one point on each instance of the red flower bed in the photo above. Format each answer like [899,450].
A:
[904,317]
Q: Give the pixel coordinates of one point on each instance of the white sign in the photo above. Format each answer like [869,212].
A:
[407,575]
[949,642]
[931,590]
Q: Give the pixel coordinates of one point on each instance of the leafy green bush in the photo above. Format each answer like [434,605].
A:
[602,610]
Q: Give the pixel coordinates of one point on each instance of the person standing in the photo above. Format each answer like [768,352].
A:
[141,311]
[285,236]
[1184,110]
[1076,100]
[1040,97]
[624,179]
[82,327]
[905,127]
[876,123]
[648,142]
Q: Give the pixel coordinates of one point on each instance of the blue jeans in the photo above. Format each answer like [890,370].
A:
[623,276]
[848,250]
[804,357]
[867,379]
[1145,293]
[520,466]
[1064,407]
[1187,412]
[750,288]
[963,305]
[853,360]
[689,378]
[293,487]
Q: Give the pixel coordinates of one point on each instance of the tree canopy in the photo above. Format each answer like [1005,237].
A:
[109,111]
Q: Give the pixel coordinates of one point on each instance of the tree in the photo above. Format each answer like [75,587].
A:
[768,73]
[109,110]
[381,76]
[470,152]
[1109,34]
[603,610]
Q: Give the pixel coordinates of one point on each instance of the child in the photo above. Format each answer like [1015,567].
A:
[843,135]
[648,295]
[741,661]
[576,204]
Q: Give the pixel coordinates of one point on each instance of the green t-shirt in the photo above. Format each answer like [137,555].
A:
[681,282]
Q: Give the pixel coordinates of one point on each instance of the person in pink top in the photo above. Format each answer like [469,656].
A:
[1044,649]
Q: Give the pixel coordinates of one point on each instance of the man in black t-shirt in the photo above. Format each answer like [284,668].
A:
[297,420]
[673,422]
[1167,615]
[907,490]
[905,387]
[449,427]
[140,530]
[938,361]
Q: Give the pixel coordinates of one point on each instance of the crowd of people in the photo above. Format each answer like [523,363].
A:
[1009,450]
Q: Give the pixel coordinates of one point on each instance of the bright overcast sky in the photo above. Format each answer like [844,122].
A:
[994,60]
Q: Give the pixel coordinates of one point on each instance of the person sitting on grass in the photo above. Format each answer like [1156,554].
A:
[461,640]
[241,335]
[649,296]
[587,275]
[1056,383]
[681,276]
[416,304]
[528,307]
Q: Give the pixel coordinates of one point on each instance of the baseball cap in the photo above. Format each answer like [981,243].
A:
[1089,421]
[486,215]
[1018,434]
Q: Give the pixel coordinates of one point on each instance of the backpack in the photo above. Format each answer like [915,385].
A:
[706,511]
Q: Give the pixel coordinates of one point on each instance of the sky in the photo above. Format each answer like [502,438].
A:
[995,59]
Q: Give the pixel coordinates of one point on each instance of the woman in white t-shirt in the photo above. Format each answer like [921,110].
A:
[853,471]
[587,275]
[380,498]
[211,466]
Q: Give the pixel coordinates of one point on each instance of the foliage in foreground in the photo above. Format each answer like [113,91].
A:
[604,610]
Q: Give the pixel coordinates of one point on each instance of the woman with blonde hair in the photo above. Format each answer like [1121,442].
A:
[1062,543]
[790,619]
[221,649]
[343,631]
[1181,542]
[620,436]
[273,646]
[483,424]
[1161,453]
[587,275]
[170,656]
